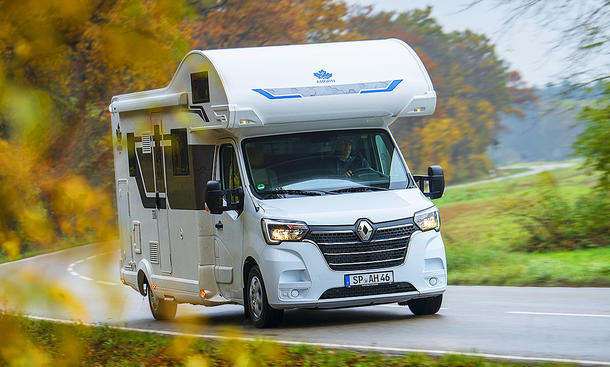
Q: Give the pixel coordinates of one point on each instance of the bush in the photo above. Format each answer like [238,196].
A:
[553,223]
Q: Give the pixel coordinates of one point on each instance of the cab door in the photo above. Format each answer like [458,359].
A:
[228,226]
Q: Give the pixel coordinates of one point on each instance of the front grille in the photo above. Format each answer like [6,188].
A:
[343,249]
[358,291]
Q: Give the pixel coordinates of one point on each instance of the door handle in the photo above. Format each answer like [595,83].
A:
[218,225]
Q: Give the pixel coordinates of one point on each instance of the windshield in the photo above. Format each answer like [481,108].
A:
[321,163]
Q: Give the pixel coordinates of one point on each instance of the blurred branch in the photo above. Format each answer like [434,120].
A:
[583,28]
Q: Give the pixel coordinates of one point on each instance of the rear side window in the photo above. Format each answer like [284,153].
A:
[180,152]
[131,154]
[200,87]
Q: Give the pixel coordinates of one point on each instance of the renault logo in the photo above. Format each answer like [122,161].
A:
[364,230]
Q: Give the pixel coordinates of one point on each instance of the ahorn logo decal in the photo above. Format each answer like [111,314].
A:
[324,76]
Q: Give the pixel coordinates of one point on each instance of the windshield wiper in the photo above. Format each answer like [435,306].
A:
[360,189]
[296,192]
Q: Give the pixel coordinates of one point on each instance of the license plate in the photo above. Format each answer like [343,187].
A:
[379,277]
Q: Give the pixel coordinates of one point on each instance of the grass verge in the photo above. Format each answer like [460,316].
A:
[45,343]
[481,236]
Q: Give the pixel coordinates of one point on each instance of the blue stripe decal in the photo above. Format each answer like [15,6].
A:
[271,96]
[390,88]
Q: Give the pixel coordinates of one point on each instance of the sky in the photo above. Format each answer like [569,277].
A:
[527,46]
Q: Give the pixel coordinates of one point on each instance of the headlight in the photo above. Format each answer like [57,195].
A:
[276,231]
[427,219]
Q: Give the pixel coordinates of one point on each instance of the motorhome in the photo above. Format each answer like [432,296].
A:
[268,177]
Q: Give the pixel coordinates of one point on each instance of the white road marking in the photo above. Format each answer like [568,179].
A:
[556,314]
[70,270]
[340,346]
[105,282]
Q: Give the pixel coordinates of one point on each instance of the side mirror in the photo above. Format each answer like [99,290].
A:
[437,182]
[433,185]
[213,197]
[216,196]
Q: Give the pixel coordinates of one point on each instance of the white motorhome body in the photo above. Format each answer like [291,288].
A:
[290,114]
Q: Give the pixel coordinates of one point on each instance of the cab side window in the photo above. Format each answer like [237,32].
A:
[229,171]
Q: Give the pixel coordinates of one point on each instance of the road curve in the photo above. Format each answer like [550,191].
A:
[520,323]
[533,170]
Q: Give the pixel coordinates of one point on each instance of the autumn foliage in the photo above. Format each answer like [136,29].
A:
[474,88]
[60,65]
[61,61]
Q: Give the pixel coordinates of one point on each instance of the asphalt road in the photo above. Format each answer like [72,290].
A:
[503,322]
[532,170]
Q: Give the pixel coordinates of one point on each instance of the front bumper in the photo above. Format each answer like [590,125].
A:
[297,275]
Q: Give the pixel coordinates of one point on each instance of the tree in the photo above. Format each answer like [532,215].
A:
[587,32]
[250,23]
[473,85]
[583,27]
[592,143]
[59,67]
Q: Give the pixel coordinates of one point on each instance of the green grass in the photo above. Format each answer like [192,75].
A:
[45,343]
[498,173]
[481,237]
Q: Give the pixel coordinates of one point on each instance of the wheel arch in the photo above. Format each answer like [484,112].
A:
[144,271]
[248,264]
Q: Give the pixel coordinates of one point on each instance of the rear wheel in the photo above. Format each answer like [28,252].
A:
[426,306]
[160,308]
[261,313]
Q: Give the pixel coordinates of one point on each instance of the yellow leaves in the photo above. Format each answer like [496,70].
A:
[17,349]
[37,206]
[30,287]
[81,208]
[27,112]
[35,225]
[12,247]
[238,352]
[23,215]
[62,298]
[196,361]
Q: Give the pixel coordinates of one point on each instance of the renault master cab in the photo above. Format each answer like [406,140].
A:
[269,177]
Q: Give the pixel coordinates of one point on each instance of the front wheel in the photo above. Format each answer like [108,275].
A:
[261,313]
[160,308]
[426,306]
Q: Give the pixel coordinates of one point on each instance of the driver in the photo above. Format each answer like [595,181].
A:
[348,161]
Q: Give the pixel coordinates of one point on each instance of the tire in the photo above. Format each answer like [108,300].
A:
[160,309]
[426,306]
[261,313]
